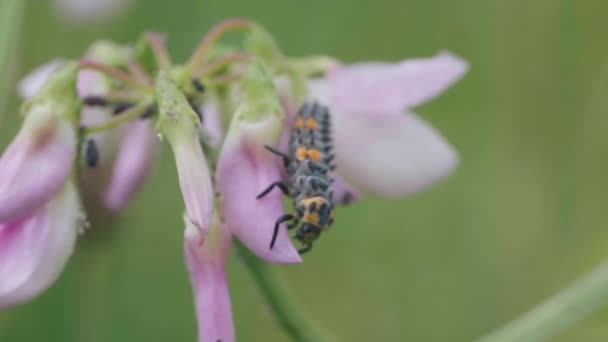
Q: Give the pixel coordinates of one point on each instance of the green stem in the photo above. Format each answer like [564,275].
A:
[11,15]
[130,114]
[559,312]
[289,315]
[115,73]
[199,55]
[223,62]
[159,49]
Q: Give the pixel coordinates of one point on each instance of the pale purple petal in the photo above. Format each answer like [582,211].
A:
[343,193]
[211,129]
[206,263]
[36,164]
[86,11]
[242,174]
[194,181]
[34,250]
[32,82]
[137,152]
[390,156]
[244,170]
[390,88]
[91,83]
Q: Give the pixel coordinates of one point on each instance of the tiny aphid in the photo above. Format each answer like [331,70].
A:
[91,153]
[309,168]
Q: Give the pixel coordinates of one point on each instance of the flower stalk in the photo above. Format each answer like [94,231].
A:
[115,73]
[559,312]
[199,55]
[288,313]
[130,114]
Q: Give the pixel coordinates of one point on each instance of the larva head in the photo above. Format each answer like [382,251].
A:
[315,211]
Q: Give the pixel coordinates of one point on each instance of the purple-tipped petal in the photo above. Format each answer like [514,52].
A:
[390,156]
[36,164]
[206,263]
[390,88]
[136,154]
[32,82]
[244,170]
[34,250]
[194,181]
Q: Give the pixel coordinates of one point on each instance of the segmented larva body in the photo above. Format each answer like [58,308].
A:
[309,167]
[310,148]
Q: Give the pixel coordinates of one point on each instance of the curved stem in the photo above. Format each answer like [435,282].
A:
[198,56]
[130,114]
[297,325]
[115,73]
[160,51]
[559,312]
[221,63]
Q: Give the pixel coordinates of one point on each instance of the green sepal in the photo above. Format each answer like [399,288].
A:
[176,117]
[59,91]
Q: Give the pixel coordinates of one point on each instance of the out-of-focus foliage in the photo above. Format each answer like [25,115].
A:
[524,215]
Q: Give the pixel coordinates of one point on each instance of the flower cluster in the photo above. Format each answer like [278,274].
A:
[95,124]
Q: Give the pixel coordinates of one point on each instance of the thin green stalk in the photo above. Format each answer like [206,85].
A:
[559,312]
[130,114]
[11,16]
[289,315]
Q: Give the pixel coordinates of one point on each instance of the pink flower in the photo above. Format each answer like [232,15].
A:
[245,168]
[125,156]
[206,262]
[381,147]
[45,142]
[35,249]
[38,204]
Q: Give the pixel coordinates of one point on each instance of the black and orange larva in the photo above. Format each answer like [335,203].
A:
[309,168]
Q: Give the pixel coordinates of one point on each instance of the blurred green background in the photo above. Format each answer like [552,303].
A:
[524,216]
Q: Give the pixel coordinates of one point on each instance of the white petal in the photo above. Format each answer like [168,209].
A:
[390,156]
[32,82]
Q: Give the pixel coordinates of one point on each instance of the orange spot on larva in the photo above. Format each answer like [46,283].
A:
[299,123]
[301,153]
[314,155]
[311,123]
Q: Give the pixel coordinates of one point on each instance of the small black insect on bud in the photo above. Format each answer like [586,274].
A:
[196,83]
[95,101]
[91,153]
[148,112]
[120,107]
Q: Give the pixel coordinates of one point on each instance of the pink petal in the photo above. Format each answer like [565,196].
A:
[194,181]
[91,83]
[32,82]
[138,151]
[34,250]
[243,172]
[211,128]
[44,143]
[343,193]
[390,156]
[206,263]
[390,88]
